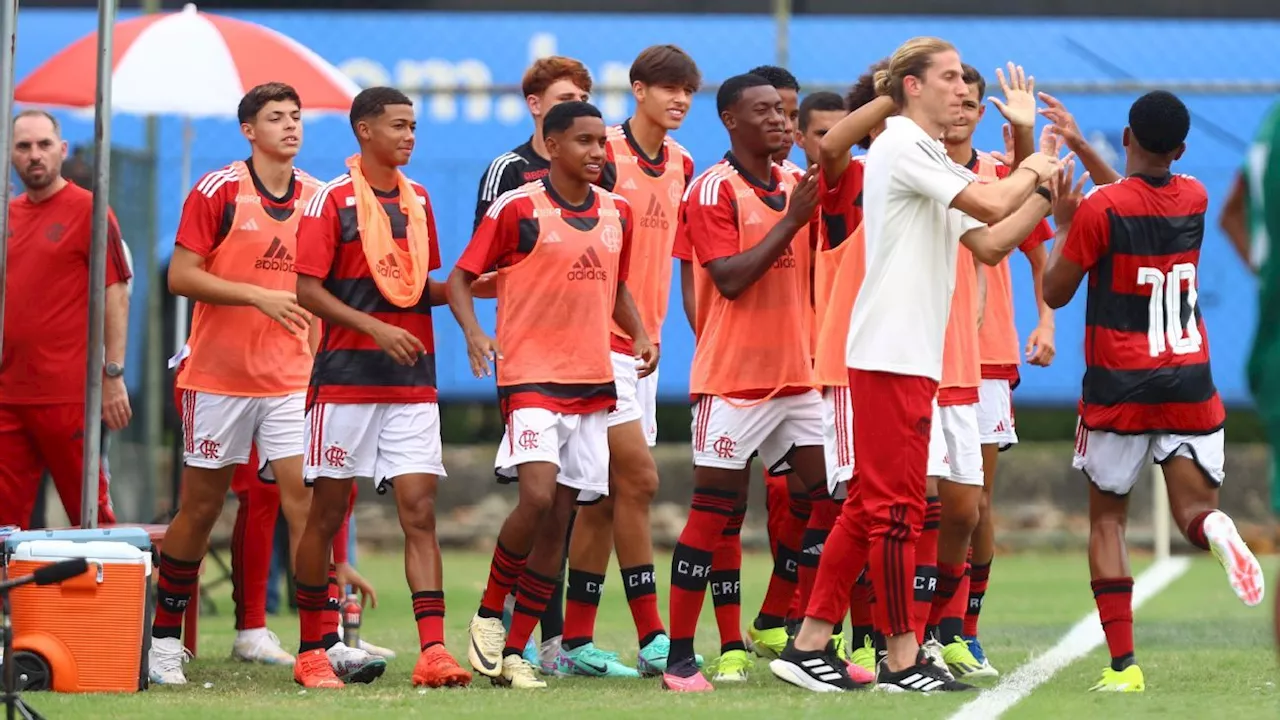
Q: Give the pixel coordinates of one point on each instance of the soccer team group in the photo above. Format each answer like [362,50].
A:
[856,308]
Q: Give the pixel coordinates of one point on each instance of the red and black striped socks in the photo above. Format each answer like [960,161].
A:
[428,611]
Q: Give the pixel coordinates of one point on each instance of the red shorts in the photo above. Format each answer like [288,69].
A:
[35,438]
[892,415]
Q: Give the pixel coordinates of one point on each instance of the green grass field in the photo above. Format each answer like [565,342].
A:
[1204,654]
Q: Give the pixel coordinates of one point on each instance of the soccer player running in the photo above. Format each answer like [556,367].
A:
[753,391]
[46,328]
[365,246]
[1251,218]
[1148,394]
[546,83]
[244,381]
[561,247]
[919,206]
[648,168]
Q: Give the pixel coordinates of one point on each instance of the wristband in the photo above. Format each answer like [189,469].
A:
[1043,192]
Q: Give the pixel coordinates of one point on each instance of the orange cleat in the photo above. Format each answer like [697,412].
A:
[313,670]
[437,668]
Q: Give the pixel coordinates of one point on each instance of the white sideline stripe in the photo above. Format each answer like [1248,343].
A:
[1078,642]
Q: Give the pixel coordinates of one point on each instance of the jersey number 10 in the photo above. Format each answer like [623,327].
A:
[1165,330]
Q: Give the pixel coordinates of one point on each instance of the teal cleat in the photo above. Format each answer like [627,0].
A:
[590,661]
[652,658]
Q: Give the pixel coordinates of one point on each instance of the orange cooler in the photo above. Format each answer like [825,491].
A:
[90,630]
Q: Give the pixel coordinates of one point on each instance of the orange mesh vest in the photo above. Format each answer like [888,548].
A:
[760,341]
[655,206]
[998,337]
[838,276]
[555,305]
[961,366]
[236,350]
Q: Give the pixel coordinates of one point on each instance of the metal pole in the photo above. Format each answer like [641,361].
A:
[782,26]
[153,368]
[98,267]
[1161,530]
[9,28]
[182,306]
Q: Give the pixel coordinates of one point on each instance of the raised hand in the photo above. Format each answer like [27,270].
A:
[804,198]
[1066,196]
[1044,166]
[1019,105]
[1006,157]
[1064,123]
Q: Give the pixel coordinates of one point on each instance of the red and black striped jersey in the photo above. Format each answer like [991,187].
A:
[1146,350]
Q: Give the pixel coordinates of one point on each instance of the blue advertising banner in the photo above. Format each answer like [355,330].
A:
[460,133]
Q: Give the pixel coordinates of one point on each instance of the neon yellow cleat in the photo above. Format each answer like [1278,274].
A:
[961,661]
[865,656]
[732,666]
[768,643]
[1127,680]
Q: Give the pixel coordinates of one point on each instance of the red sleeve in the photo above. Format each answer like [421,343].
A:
[1040,235]
[118,270]
[1088,239]
[319,232]
[624,262]
[713,228]
[688,167]
[496,238]
[683,248]
[431,233]
[201,219]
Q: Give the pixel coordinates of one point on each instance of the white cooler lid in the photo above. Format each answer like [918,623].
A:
[102,551]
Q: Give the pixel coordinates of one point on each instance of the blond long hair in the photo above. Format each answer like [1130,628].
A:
[912,58]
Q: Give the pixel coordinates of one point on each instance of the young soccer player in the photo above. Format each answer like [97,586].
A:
[561,246]
[648,168]
[546,83]
[366,244]
[743,215]
[244,381]
[894,350]
[1148,394]
[999,355]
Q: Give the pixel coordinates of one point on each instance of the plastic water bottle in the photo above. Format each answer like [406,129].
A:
[351,621]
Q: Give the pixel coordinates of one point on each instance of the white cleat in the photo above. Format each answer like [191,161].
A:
[518,674]
[547,653]
[933,650]
[260,646]
[488,638]
[1243,571]
[165,661]
[365,645]
[353,665]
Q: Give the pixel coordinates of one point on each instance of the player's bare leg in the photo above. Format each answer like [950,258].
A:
[295,497]
[1193,499]
[185,542]
[1112,583]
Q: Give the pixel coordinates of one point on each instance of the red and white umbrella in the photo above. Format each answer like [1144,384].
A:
[190,64]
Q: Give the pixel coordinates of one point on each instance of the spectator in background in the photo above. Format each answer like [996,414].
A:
[45,339]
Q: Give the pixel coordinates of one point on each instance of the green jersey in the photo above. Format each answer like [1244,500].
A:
[1261,174]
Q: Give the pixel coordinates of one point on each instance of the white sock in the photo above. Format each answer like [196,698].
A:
[249,635]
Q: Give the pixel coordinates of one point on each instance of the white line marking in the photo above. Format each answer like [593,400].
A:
[1078,642]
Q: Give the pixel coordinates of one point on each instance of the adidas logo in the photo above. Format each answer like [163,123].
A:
[630,184]
[388,267]
[250,225]
[588,267]
[1001,427]
[655,217]
[554,237]
[787,261]
[920,682]
[277,257]
[754,218]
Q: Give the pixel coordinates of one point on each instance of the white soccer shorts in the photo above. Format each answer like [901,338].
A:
[381,441]
[220,430]
[637,397]
[955,452]
[995,413]
[1114,462]
[727,433]
[837,437]
[576,444]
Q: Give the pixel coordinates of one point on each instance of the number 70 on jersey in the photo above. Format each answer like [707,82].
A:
[1165,329]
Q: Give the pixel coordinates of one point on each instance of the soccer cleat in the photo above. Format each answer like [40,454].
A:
[975,647]
[961,662]
[488,638]
[865,656]
[732,666]
[314,670]
[165,660]
[437,668]
[816,671]
[768,643]
[365,645]
[932,650]
[1243,571]
[651,661]
[859,674]
[842,648]
[1127,680]
[259,646]
[923,677]
[353,665]
[685,677]
[547,653]
[519,674]
[590,661]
